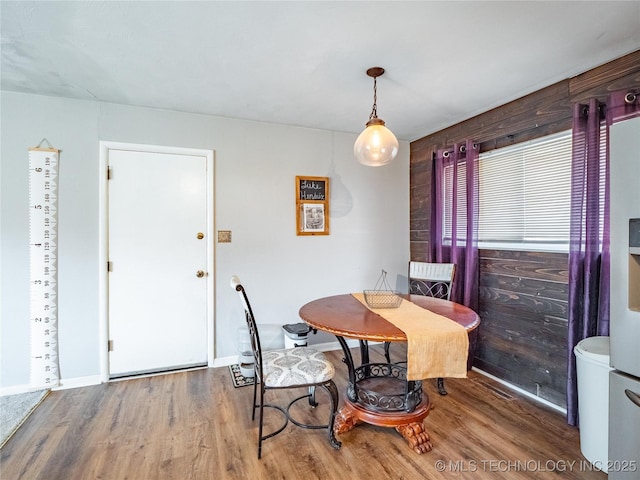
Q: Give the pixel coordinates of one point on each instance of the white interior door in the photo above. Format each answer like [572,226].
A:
[157,300]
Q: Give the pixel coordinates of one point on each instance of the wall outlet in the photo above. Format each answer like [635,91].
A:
[224,236]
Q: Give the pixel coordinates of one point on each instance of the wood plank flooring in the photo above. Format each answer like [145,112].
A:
[196,425]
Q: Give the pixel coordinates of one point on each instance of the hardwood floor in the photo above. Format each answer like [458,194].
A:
[196,425]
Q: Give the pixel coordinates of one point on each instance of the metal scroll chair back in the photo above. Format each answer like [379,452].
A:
[431,279]
[287,368]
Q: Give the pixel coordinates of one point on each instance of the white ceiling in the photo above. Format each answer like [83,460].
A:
[304,63]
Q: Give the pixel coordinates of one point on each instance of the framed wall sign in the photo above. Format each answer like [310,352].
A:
[312,205]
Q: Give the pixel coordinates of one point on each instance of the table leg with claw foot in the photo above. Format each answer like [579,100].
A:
[346,420]
[416,436]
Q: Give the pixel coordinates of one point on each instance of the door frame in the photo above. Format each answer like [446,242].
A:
[103,247]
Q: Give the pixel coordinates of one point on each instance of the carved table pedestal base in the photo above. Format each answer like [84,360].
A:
[408,424]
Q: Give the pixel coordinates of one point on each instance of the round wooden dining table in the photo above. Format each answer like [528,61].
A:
[379,393]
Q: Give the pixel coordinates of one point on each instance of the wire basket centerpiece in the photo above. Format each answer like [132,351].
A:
[382,296]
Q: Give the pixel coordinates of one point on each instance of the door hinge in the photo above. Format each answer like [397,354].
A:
[109,266]
[110,345]
[109,173]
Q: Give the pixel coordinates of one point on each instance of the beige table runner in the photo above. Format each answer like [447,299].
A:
[437,346]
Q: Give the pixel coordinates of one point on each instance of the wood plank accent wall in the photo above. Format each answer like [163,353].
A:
[523,306]
[523,295]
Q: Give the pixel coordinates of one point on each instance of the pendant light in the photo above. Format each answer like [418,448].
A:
[376,145]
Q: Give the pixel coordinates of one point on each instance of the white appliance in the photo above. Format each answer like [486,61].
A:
[624,380]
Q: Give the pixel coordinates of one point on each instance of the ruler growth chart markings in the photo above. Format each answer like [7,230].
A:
[43,256]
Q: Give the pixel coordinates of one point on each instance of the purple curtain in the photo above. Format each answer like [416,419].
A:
[460,244]
[589,264]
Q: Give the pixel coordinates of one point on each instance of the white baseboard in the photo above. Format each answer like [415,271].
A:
[65,383]
[75,382]
[225,361]
[522,392]
[16,389]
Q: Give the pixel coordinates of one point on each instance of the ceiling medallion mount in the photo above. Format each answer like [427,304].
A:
[375,72]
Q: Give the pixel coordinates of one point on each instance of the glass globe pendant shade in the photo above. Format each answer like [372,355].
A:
[376,145]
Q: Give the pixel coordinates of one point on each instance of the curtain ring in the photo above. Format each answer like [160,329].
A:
[630,97]
[445,154]
[463,148]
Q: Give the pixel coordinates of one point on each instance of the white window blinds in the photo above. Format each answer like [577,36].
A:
[525,193]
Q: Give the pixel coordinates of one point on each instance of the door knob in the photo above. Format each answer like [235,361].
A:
[199,274]
[200,236]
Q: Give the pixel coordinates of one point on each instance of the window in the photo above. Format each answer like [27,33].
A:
[524,195]
[461,207]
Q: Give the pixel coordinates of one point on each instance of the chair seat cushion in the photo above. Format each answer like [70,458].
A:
[295,366]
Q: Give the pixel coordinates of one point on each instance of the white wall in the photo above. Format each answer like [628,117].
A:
[256,164]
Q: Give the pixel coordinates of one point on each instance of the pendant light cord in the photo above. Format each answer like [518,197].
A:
[374,111]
